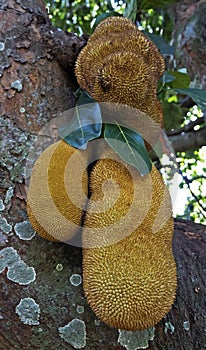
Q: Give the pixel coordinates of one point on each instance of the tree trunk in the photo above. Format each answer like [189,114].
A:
[37,81]
[190,38]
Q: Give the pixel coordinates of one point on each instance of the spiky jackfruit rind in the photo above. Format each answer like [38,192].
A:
[110,213]
[131,284]
[114,23]
[57,181]
[120,64]
[38,228]
[50,210]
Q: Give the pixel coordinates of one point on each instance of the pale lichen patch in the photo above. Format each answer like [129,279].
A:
[136,340]
[4,226]
[1,317]
[18,271]
[59,267]
[21,273]
[169,327]
[2,46]
[17,85]
[24,230]
[14,151]
[28,311]
[3,240]
[74,333]
[8,257]
[75,279]
[186,325]
[80,309]
[97,322]
[2,206]
[9,194]
[22,110]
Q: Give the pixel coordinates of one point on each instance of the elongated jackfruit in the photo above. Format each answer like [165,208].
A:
[120,64]
[129,283]
[53,190]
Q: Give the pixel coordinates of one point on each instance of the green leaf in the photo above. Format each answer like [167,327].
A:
[173,115]
[181,81]
[130,11]
[129,145]
[165,49]
[85,125]
[151,4]
[167,78]
[103,16]
[198,96]
[84,98]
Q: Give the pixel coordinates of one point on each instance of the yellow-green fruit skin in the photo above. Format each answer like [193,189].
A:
[131,284]
[50,209]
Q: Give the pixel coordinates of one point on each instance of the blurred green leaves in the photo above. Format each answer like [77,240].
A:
[180,81]
[173,115]
[78,16]
[198,95]
[148,4]
[131,10]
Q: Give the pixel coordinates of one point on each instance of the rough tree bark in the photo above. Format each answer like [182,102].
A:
[190,38]
[37,81]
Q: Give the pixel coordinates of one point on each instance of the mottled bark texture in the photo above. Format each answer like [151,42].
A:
[37,81]
[190,38]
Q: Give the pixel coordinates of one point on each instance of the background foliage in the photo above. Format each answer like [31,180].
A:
[182,105]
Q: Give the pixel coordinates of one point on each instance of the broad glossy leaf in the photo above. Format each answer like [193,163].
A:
[129,145]
[165,49]
[181,81]
[84,98]
[167,78]
[198,95]
[85,125]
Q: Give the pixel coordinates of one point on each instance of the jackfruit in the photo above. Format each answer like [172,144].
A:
[120,64]
[53,189]
[129,280]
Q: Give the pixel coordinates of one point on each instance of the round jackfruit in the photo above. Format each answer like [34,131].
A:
[120,64]
[54,205]
[112,24]
[130,283]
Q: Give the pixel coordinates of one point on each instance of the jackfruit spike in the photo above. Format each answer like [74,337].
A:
[131,283]
[50,206]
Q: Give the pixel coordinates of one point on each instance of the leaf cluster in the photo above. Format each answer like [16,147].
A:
[87,125]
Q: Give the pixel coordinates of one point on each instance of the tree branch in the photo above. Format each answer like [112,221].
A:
[189,141]
[185,141]
[188,182]
[188,127]
[196,178]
